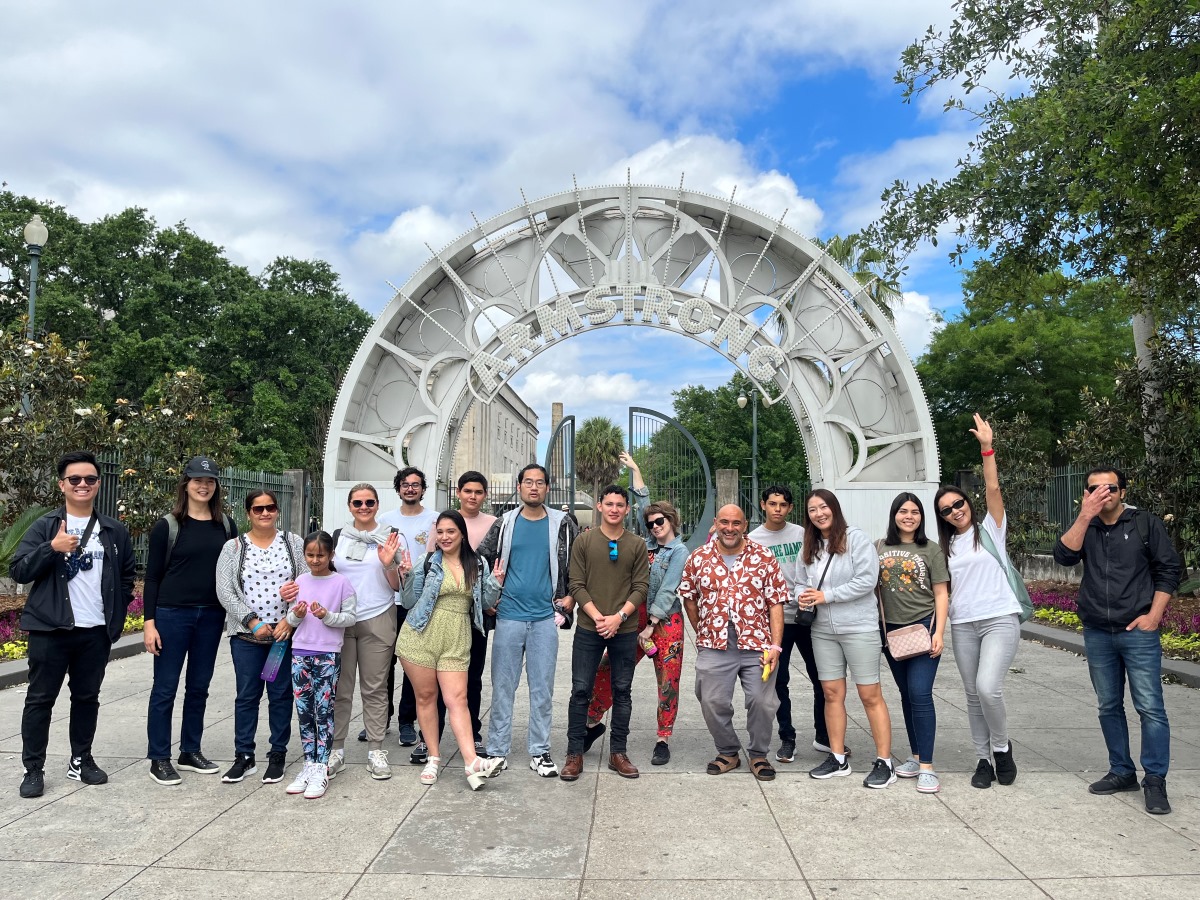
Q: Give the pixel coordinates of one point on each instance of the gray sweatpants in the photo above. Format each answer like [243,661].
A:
[983,651]
[716,673]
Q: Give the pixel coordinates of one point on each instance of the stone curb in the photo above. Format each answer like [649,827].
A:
[1065,639]
[16,671]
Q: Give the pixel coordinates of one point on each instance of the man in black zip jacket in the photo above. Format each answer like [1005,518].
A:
[81,566]
[1130,571]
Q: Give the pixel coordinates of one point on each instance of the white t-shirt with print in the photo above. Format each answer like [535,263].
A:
[263,573]
[416,531]
[978,586]
[87,602]
[371,587]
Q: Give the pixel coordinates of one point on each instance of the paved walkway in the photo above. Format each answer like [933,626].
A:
[675,832]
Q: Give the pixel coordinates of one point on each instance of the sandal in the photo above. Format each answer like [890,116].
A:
[762,769]
[430,773]
[723,764]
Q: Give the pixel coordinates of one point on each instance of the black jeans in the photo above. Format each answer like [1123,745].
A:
[589,647]
[478,663]
[80,654]
[797,635]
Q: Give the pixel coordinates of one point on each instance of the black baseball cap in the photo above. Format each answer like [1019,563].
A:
[202,467]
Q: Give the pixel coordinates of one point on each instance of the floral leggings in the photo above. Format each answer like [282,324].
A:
[314,684]
[668,662]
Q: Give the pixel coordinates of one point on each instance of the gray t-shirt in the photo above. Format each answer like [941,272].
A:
[907,574]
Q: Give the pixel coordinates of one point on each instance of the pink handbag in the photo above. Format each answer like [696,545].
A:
[907,642]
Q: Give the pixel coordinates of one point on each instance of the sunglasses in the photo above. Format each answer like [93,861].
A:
[359,504]
[265,508]
[654,523]
[945,511]
[1112,488]
[75,480]
[612,551]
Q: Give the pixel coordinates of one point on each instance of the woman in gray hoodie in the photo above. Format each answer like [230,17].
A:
[839,568]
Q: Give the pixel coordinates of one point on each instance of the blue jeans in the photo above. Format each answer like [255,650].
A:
[537,644]
[1137,655]
[191,635]
[589,647]
[914,677]
[248,659]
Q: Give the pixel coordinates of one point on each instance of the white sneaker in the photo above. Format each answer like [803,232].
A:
[337,762]
[301,782]
[377,765]
[318,780]
[543,765]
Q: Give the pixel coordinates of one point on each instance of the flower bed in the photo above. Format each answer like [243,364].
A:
[14,643]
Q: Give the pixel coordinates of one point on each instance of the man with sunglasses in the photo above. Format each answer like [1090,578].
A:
[1130,571]
[80,566]
[415,524]
[610,577]
[528,548]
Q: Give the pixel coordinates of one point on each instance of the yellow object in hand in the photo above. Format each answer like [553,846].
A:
[766,665]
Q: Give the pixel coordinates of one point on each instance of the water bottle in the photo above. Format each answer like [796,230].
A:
[649,647]
[274,660]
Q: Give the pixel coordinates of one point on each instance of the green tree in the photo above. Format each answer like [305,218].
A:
[867,263]
[1022,346]
[598,446]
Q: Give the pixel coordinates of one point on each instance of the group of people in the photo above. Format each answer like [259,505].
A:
[307,619]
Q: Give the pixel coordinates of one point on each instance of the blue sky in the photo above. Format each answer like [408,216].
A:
[359,134]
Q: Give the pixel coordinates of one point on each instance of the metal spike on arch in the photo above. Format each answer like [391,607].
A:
[734,280]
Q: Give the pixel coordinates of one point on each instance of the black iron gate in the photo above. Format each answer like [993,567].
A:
[560,463]
[675,469]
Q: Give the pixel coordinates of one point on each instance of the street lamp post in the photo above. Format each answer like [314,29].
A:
[742,400]
[35,239]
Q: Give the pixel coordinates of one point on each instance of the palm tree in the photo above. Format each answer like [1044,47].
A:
[867,264]
[598,444]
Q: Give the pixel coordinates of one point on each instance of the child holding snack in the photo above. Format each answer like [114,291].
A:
[324,607]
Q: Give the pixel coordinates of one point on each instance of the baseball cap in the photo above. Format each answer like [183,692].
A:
[202,467]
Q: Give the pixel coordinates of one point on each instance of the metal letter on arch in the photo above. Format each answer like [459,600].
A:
[742,284]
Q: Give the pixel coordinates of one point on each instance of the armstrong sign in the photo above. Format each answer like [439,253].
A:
[729,333]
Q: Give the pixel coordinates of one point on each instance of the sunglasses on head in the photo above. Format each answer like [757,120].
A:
[945,511]
[265,508]
[359,504]
[612,551]
[1092,488]
[654,523]
[74,480]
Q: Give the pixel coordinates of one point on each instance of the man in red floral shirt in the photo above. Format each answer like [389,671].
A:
[733,593]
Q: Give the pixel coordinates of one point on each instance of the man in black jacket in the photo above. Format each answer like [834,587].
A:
[81,568]
[1130,571]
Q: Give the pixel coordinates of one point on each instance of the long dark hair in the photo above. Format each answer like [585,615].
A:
[215,502]
[946,531]
[325,542]
[837,531]
[893,531]
[470,559]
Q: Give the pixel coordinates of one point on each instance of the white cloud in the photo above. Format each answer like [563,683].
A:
[916,322]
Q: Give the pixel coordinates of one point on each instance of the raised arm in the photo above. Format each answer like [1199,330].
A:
[991,475]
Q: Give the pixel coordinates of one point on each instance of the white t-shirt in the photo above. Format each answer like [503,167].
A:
[87,603]
[978,586]
[375,595]
[416,531]
[785,545]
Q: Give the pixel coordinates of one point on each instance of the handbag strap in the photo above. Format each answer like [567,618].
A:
[879,590]
[828,560]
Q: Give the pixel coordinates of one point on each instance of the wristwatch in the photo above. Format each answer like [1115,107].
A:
[624,616]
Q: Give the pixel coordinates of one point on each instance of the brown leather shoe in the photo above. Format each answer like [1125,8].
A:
[620,764]
[572,768]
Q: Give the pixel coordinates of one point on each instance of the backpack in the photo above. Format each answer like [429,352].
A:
[243,545]
[173,531]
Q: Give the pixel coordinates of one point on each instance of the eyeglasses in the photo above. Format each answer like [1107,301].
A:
[266,508]
[945,511]
[410,485]
[530,483]
[654,523]
[612,551]
[1113,488]
[359,504]
[75,480]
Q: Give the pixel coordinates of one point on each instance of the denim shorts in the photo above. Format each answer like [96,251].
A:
[859,651]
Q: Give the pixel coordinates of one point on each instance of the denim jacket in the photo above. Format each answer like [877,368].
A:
[667,568]
[420,590]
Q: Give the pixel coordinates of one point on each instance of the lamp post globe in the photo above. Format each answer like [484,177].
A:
[36,235]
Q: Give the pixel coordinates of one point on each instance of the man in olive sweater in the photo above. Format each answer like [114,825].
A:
[610,576]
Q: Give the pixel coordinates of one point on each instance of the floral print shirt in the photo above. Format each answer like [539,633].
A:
[742,595]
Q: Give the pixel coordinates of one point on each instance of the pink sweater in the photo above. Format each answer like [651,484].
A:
[315,636]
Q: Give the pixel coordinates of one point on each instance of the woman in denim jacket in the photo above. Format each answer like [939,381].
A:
[445,595]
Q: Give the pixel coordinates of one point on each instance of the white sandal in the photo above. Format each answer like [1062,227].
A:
[430,773]
[481,770]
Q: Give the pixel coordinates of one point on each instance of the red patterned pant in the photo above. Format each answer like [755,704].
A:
[668,662]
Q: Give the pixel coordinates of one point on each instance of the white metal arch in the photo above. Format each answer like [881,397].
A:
[768,299]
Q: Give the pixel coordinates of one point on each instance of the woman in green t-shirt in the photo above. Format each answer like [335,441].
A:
[914,583]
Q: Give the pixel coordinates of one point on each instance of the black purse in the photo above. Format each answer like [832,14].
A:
[807,616]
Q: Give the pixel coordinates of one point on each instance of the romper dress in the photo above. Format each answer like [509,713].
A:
[445,644]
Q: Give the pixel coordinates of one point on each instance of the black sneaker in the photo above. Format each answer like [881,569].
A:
[419,755]
[276,763]
[880,776]
[593,735]
[787,751]
[1113,783]
[197,762]
[1156,795]
[242,766]
[480,750]
[1006,769]
[662,754]
[408,734]
[33,784]
[84,768]
[984,775]
[831,768]
[163,772]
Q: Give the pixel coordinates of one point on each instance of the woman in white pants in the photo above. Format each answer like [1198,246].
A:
[984,624]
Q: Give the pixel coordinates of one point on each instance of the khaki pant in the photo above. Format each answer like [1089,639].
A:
[367,650]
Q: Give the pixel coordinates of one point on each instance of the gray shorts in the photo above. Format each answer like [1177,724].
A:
[860,651]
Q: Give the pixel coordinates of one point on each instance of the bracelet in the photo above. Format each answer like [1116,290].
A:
[988,453]
[260,624]
[775,647]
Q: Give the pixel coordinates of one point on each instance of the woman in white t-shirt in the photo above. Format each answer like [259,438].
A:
[984,624]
